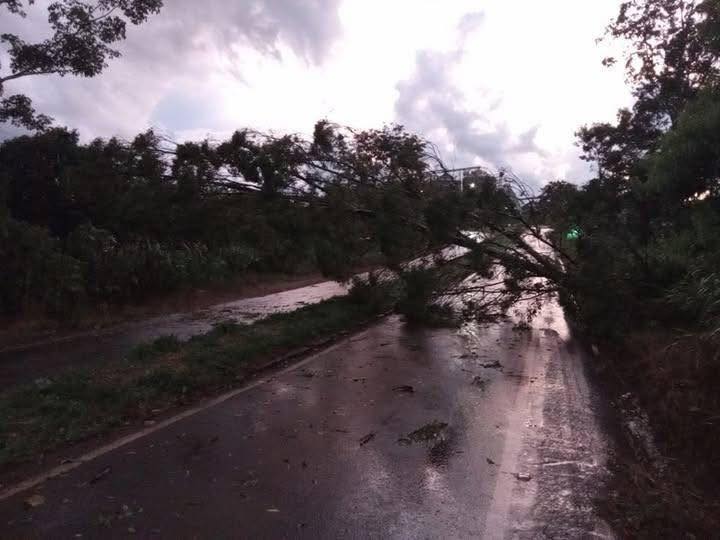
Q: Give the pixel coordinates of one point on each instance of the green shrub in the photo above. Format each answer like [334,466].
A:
[35,272]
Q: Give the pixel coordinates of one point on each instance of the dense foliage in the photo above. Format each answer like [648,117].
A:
[119,221]
[650,219]
[644,248]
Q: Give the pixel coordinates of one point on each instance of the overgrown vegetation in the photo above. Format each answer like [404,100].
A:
[82,404]
[641,278]
[677,377]
[633,253]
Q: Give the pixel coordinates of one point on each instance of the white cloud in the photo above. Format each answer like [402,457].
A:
[512,91]
[500,82]
[191,49]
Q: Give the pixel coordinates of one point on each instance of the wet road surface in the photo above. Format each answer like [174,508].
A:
[113,344]
[483,432]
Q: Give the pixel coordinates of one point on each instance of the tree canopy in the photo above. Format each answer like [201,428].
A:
[82,41]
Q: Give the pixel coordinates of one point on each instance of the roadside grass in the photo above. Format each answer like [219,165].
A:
[81,404]
[676,380]
[645,504]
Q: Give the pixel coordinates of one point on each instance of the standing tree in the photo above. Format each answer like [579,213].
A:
[673,54]
[82,40]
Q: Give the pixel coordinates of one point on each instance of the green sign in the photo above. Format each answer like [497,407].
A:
[574,233]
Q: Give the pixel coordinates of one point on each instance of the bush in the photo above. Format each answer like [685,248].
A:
[378,292]
[35,272]
[421,300]
[41,272]
[697,297]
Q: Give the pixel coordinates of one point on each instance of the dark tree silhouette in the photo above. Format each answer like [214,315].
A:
[83,35]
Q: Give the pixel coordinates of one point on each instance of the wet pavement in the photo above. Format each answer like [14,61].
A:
[113,344]
[397,432]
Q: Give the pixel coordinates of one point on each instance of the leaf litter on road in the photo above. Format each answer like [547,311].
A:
[492,365]
[430,432]
[367,438]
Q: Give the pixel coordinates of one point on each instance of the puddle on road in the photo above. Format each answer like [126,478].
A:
[438,438]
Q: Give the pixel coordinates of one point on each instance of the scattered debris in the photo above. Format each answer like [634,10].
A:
[492,365]
[478,381]
[34,501]
[490,461]
[440,453]
[367,438]
[523,477]
[428,433]
[99,476]
[404,389]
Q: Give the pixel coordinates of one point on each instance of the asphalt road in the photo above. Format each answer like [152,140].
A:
[482,432]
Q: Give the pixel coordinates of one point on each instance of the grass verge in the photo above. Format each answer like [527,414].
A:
[79,405]
[675,379]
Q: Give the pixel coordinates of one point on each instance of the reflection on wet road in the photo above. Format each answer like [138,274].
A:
[113,344]
[485,432]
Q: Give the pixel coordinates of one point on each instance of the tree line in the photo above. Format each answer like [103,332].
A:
[116,220]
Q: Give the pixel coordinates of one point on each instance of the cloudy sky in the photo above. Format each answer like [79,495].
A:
[500,83]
